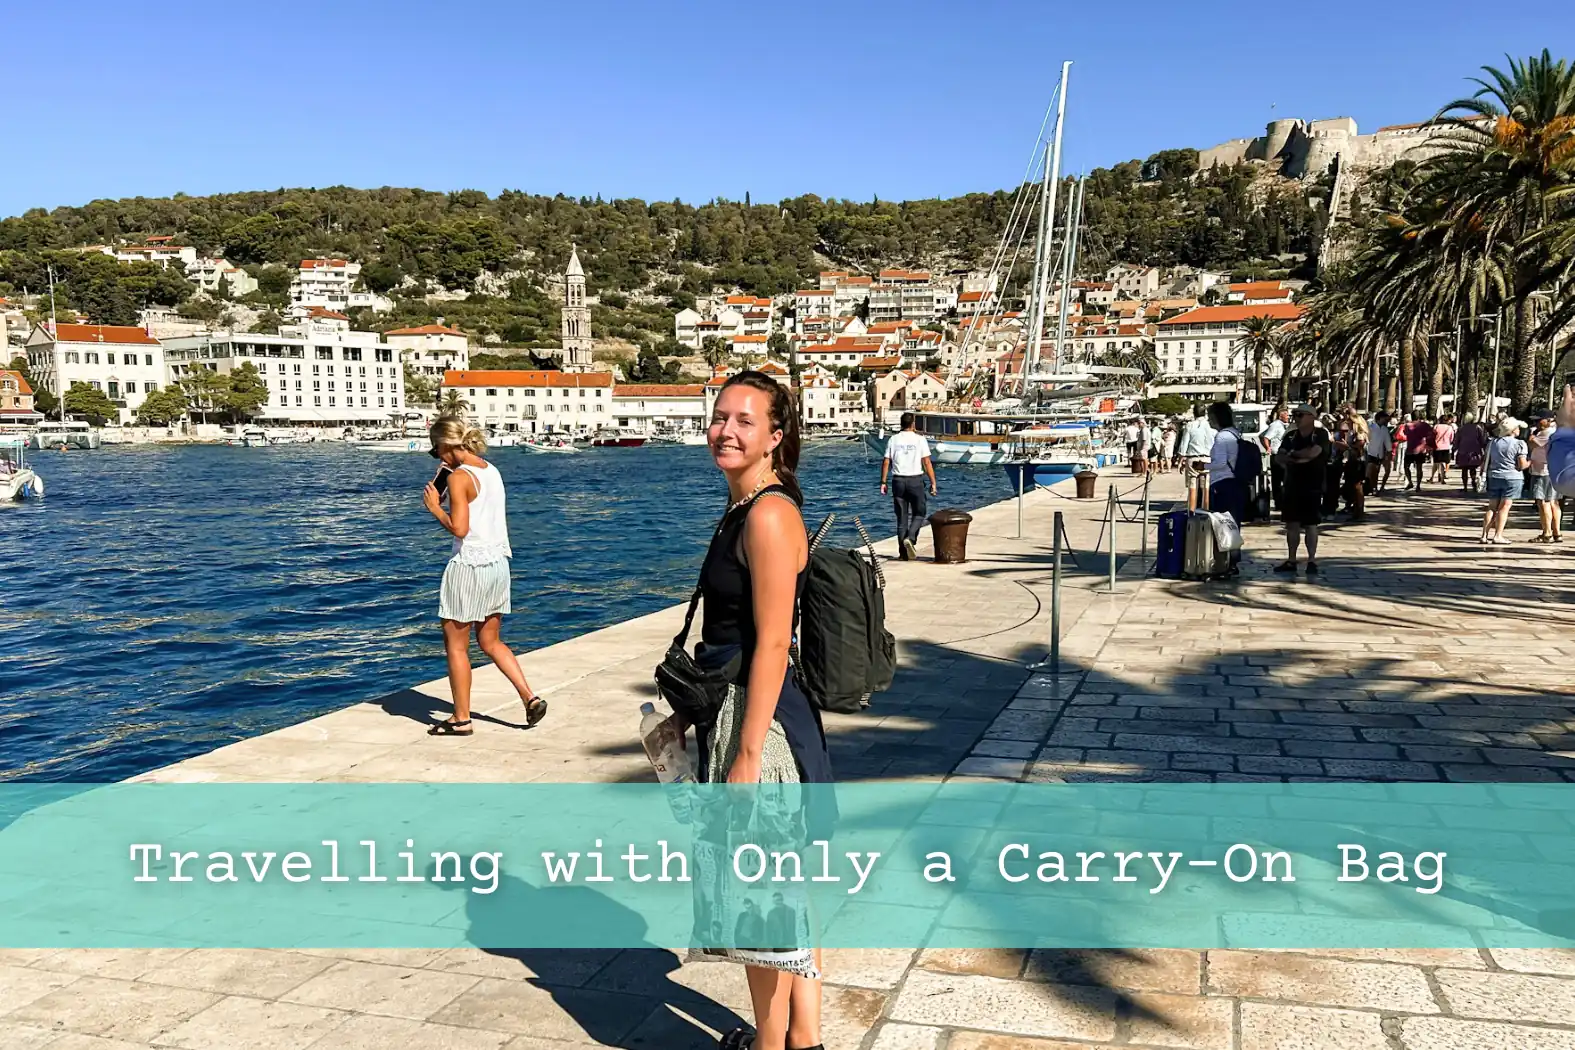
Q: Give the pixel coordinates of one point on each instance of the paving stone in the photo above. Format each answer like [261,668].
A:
[20,986]
[378,989]
[525,1008]
[1359,769]
[25,1036]
[1176,971]
[239,1023]
[262,974]
[990,747]
[1186,1021]
[370,1032]
[988,962]
[1508,996]
[1009,1007]
[1279,764]
[1448,1033]
[1560,961]
[893,1036]
[990,1041]
[1273,1026]
[1320,981]
[1000,768]
[113,1009]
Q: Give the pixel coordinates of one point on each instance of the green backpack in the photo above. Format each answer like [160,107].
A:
[843,653]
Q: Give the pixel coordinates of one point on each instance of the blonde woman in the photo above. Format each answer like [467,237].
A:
[475,591]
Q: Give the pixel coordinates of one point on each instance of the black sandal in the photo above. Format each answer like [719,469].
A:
[740,1038]
[535,711]
[452,728]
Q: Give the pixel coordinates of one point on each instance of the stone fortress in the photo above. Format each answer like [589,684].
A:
[1307,149]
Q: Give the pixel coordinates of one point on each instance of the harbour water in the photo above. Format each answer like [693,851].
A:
[165,601]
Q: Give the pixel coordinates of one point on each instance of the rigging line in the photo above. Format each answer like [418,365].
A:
[972,329]
[994,275]
[1034,161]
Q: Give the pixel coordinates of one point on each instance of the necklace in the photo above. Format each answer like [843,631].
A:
[751,495]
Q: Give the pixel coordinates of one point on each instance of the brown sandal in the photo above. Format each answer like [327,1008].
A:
[452,728]
[535,710]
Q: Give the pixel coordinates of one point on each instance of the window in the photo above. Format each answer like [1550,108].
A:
[317,384]
[72,357]
[317,369]
[363,370]
[91,357]
[363,402]
[492,391]
[352,354]
[297,384]
[330,384]
[582,392]
[530,393]
[379,402]
[317,400]
[325,353]
[297,400]
[330,401]
[380,388]
[109,357]
[582,408]
[385,356]
[298,369]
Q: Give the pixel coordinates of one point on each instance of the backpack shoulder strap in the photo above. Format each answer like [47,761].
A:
[682,637]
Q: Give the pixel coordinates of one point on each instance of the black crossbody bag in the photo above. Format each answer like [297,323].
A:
[695,693]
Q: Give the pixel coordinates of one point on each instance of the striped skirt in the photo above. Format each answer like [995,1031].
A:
[471,593]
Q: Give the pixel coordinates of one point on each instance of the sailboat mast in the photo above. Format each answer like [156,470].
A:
[1046,218]
[1074,220]
[1041,265]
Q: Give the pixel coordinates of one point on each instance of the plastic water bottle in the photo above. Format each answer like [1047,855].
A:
[665,748]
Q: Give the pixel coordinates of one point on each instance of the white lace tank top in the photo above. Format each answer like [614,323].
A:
[488,539]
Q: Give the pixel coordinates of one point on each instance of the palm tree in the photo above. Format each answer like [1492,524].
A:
[714,349]
[453,405]
[1257,341]
[1502,183]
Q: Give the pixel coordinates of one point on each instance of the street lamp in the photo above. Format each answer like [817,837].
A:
[1553,352]
[1492,405]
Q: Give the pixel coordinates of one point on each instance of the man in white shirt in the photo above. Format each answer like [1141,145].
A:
[906,463]
[1197,440]
[1270,440]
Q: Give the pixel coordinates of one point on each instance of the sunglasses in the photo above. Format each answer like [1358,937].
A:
[434,453]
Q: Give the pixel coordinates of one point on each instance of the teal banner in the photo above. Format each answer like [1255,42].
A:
[858,865]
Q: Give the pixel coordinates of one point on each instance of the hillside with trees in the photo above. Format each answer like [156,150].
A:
[644,259]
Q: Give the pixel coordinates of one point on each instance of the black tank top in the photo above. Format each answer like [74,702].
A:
[725,584]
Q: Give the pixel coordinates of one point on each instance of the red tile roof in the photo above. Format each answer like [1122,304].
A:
[657,390]
[21,380]
[309,264]
[103,333]
[511,377]
[1258,286]
[771,368]
[426,329]
[970,297]
[749,339]
[1220,314]
[323,311]
[869,364]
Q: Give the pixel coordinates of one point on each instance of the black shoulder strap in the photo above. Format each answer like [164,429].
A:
[682,637]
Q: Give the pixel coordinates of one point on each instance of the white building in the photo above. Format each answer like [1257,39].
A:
[825,401]
[686,329]
[1197,349]
[649,408]
[158,250]
[207,274]
[331,284]
[1134,282]
[431,349]
[533,402]
[126,363]
[318,372]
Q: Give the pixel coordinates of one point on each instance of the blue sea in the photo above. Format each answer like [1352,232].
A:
[164,601]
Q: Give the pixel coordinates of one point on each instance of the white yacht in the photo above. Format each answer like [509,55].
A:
[73,433]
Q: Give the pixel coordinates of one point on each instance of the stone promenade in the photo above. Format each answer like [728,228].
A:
[1414,655]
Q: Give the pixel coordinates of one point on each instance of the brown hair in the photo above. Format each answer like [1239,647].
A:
[448,431]
[784,417]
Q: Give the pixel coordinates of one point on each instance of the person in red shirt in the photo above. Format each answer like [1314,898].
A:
[1418,448]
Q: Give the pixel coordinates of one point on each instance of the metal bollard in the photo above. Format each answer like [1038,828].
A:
[1110,509]
[1052,659]
[1022,472]
[1143,544]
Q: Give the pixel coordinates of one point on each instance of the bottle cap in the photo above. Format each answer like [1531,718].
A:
[648,708]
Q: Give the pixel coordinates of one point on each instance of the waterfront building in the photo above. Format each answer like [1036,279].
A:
[431,349]
[1134,281]
[209,274]
[1259,292]
[850,293]
[905,390]
[651,408]
[318,372]
[16,398]
[826,401]
[812,302]
[534,402]
[686,324]
[126,363]
[331,284]
[1197,351]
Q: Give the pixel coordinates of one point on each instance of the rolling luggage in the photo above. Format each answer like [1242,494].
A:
[1202,556]
[1172,543]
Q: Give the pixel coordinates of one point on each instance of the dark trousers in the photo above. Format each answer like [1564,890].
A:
[1277,484]
[907,496]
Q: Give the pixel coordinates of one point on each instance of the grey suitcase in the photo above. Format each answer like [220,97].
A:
[1202,558]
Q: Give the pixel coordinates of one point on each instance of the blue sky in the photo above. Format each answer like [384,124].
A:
[694,100]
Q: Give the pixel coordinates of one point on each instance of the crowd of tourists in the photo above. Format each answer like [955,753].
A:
[1325,465]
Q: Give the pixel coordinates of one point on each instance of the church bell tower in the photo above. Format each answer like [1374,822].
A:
[576,317]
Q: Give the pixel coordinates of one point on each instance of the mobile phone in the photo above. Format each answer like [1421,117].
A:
[440,480]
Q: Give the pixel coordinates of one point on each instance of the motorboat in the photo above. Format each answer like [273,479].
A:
[393,444]
[694,437]
[1055,452]
[617,439]
[505,439]
[114,435]
[249,437]
[545,444]
[72,433]
[17,479]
